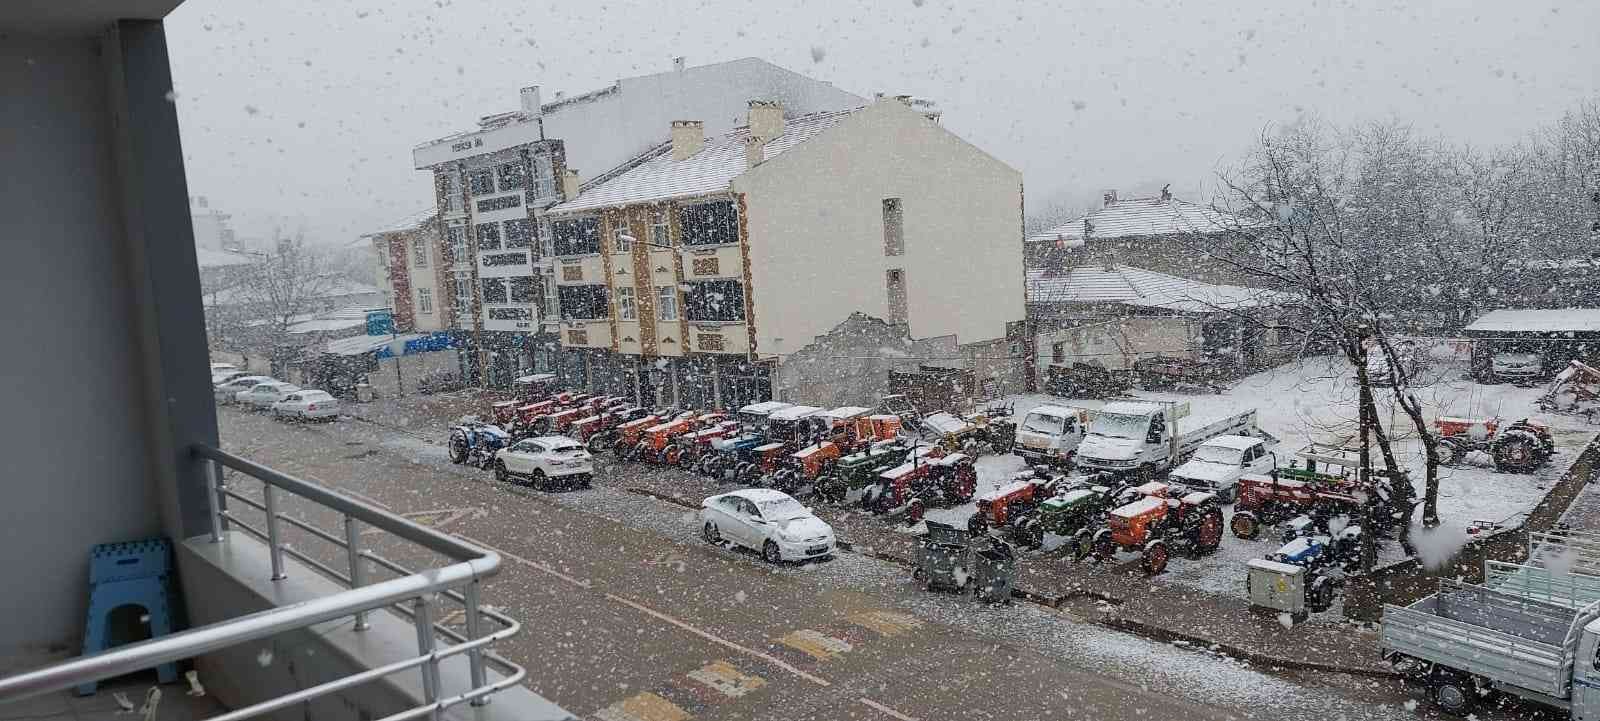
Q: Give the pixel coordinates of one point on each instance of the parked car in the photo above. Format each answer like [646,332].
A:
[544,461]
[307,404]
[262,395]
[228,391]
[220,377]
[1516,365]
[222,368]
[1218,463]
[768,521]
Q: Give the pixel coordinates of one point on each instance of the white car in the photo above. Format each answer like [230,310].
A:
[307,404]
[220,377]
[544,460]
[228,391]
[1218,463]
[262,395]
[1516,365]
[222,368]
[768,521]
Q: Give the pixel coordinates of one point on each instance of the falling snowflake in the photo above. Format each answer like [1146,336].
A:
[264,659]
[817,53]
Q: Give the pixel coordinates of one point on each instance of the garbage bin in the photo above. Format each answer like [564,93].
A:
[994,572]
[363,393]
[943,557]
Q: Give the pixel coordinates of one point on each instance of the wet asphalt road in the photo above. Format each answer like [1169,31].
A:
[629,616]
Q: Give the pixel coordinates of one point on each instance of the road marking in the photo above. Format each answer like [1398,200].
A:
[886,623]
[657,614]
[727,680]
[643,706]
[886,710]
[815,644]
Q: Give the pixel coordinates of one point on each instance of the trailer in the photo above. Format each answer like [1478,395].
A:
[1149,438]
[1466,641]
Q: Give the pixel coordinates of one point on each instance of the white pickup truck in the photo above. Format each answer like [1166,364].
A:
[1150,437]
[1218,463]
[1049,434]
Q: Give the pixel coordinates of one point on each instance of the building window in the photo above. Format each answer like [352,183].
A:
[583,302]
[419,252]
[457,236]
[519,233]
[571,273]
[709,223]
[578,337]
[510,314]
[627,309]
[620,237]
[660,234]
[488,236]
[463,293]
[705,266]
[480,182]
[714,300]
[708,342]
[512,177]
[896,287]
[503,202]
[425,300]
[494,289]
[524,289]
[450,187]
[667,302]
[575,237]
[543,182]
[1058,353]
[496,259]
[894,232]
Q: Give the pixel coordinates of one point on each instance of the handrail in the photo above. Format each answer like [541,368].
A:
[458,581]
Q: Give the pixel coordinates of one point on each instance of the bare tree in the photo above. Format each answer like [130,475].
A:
[285,287]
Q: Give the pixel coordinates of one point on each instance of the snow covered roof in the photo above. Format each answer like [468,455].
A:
[793,413]
[341,319]
[1137,217]
[1139,287]
[210,258]
[410,222]
[660,177]
[1553,320]
[1237,443]
[357,345]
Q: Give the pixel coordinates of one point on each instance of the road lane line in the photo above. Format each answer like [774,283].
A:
[886,710]
[780,663]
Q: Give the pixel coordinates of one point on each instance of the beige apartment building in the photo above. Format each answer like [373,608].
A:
[688,275]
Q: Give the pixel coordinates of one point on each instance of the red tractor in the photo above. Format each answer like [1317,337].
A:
[1519,447]
[503,412]
[1325,488]
[696,444]
[1155,526]
[932,477]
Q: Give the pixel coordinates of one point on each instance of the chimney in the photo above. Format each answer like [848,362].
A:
[677,63]
[688,137]
[1110,197]
[904,100]
[766,119]
[755,151]
[569,184]
[531,107]
[560,94]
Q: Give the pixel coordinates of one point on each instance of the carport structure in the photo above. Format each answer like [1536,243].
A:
[1559,335]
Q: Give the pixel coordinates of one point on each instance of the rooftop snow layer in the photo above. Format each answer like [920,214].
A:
[1139,287]
[1553,320]
[708,171]
[1136,217]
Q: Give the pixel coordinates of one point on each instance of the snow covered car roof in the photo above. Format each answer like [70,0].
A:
[1130,408]
[765,407]
[755,495]
[945,423]
[793,413]
[1238,443]
[1052,409]
[557,439]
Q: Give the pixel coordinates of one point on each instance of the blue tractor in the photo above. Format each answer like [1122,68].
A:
[475,443]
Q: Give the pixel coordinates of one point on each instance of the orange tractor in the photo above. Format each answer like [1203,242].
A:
[847,430]
[700,441]
[1155,525]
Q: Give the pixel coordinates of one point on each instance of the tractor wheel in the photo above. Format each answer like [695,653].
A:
[830,488]
[597,443]
[1453,693]
[671,455]
[915,510]
[687,458]
[785,480]
[1451,451]
[1082,544]
[1155,558]
[1105,548]
[541,426]
[1245,525]
[458,449]
[1030,532]
[712,535]
[977,525]
[1208,534]
[1517,451]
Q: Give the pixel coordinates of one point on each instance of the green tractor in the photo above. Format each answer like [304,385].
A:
[854,479]
[1074,513]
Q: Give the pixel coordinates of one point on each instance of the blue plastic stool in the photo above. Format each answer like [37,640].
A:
[129,574]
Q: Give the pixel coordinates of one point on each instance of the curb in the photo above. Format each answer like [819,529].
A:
[1125,625]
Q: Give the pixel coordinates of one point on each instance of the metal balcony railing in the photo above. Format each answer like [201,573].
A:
[411,593]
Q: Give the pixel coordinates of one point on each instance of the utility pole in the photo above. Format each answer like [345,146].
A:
[1369,543]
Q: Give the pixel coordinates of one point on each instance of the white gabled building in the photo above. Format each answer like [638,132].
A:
[749,245]
[493,184]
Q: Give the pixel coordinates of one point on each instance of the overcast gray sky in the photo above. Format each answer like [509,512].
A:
[305,113]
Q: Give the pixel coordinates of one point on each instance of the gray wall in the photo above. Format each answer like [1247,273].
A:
[77,470]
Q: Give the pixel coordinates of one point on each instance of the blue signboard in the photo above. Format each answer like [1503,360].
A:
[380,322]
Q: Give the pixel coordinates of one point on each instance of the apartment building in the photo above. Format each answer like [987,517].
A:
[414,272]
[494,183]
[690,275]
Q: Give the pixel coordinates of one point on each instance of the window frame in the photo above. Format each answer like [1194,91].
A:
[694,223]
[627,303]
[594,298]
[494,227]
[894,227]
[456,237]
[517,179]
[660,227]
[484,284]
[425,301]
[486,175]
[532,289]
[528,239]
[618,245]
[419,252]
[584,240]
[694,301]
[667,298]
